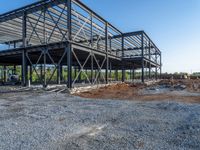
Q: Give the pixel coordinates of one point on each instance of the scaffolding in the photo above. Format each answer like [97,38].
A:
[51,37]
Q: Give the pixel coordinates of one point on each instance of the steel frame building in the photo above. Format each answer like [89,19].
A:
[67,33]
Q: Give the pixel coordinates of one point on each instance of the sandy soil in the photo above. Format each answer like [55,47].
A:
[180,90]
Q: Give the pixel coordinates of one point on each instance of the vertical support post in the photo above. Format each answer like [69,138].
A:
[69,46]
[1,78]
[58,73]
[24,69]
[160,65]
[123,70]
[79,77]
[149,70]
[14,69]
[61,72]
[14,45]
[75,72]
[69,65]
[142,44]
[24,59]
[106,48]
[156,66]
[45,51]
[1,69]
[92,68]
[149,59]
[41,71]
[44,69]
[92,54]
[133,73]
[95,73]
[4,73]
[116,75]
[110,68]
[31,74]
[110,42]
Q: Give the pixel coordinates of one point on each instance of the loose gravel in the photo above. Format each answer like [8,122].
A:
[59,121]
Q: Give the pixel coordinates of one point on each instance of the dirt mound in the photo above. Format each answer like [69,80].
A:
[173,91]
[121,90]
[190,85]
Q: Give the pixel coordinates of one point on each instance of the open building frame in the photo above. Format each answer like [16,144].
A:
[67,34]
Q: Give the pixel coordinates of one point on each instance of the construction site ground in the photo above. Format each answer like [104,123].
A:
[164,115]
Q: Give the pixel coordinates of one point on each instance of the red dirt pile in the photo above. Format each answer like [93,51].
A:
[125,91]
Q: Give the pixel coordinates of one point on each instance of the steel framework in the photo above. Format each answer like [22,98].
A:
[67,34]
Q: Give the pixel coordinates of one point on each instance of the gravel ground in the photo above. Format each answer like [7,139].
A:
[60,121]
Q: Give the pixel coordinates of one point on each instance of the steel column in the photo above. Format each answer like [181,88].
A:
[92,54]
[44,69]
[14,69]
[24,69]
[41,73]
[92,69]
[1,71]
[116,75]
[150,71]
[149,59]
[24,59]
[69,46]
[4,73]
[75,72]
[123,71]
[133,74]
[61,72]
[106,48]
[156,67]
[58,73]
[160,66]
[31,74]
[110,68]
[79,77]
[69,66]
[142,44]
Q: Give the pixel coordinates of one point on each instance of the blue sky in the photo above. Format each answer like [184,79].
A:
[174,25]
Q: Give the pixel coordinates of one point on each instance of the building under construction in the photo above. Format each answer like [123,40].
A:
[65,42]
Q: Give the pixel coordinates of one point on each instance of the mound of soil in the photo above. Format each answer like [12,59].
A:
[180,90]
